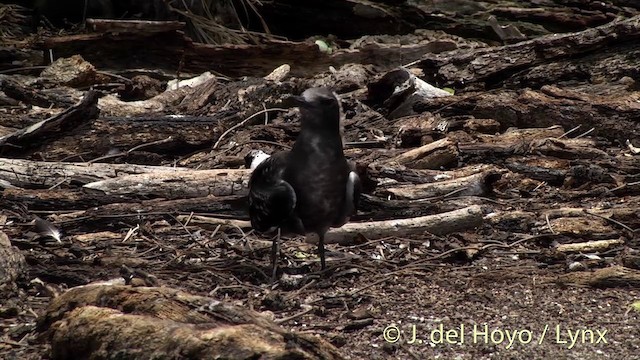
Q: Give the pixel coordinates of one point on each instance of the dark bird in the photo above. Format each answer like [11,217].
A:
[312,187]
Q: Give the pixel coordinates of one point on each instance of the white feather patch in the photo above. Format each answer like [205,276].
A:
[258,158]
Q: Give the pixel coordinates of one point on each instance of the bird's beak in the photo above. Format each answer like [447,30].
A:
[294,101]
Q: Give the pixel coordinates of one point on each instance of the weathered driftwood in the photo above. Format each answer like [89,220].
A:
[233,206]
[440,224]
[493,65]
[435,155]
[175,185]
[48,129]
[473,185]
[602,223]
[37,174]
[145,322]
[13,267]
[589,246]
[614,276]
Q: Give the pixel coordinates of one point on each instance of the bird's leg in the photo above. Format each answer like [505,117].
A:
[321,250]
[275,252]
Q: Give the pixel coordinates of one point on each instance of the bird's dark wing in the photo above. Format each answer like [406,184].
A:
[271,199]
[270,207]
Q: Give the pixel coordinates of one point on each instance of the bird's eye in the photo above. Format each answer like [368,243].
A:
[327,100]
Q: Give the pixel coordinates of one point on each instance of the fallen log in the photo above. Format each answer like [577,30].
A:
[522,136]
[145,322]
[555,148]
[474,185]
[163,49]
[154,136]
[170,134]
[439,224]
[376,208]
[176,185]
[488,66]
[589,246]
[39,174]
[547,141]
[404,174]
[15,90]
[465,18]
[542,168]
[51,128]
[567,149]
[441,153]
[231,206]
[214,222]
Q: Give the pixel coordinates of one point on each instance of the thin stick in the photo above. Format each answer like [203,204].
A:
[157,142]
[294,316]
[549,224]
[585,133]
[609,219]
[569,132]
[58,184]
[244,122]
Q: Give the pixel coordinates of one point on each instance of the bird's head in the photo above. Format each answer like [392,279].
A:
[319,106]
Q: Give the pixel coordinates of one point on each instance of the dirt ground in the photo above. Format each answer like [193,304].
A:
[506,291]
